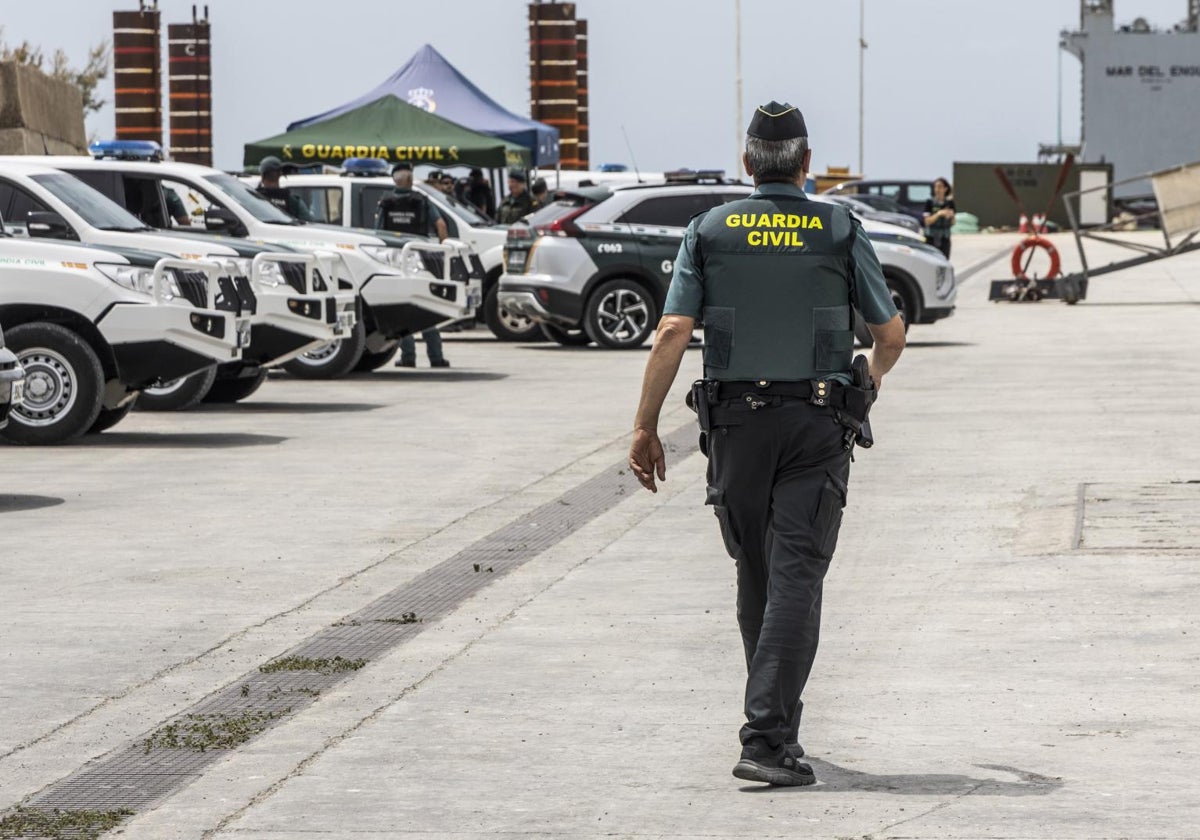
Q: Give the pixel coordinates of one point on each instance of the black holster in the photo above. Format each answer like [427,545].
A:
[700,399]
[855,413]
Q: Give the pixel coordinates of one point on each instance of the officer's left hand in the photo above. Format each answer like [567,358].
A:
[646,457]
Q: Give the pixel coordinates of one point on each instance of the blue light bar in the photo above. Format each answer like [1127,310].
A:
[365,166]
[126,150]
[613,167]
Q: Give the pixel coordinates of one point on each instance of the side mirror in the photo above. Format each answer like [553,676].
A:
[42,224]
[220,220]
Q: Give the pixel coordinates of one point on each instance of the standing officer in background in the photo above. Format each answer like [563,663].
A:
[405,210]
[518,203]
[269,170]
[773,277]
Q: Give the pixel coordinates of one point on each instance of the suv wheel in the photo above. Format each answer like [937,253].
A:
[374,361]
[63,385]
[620,314]
[332,360]
[567,338]
[234,389]
[178,394]
[899,300]
[505,325]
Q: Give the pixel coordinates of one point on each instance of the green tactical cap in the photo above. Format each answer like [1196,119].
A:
[774,121]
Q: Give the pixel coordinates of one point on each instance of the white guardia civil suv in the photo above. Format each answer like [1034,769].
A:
[92,327]
[404,284]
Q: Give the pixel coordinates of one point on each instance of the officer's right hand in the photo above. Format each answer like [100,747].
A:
[646,457]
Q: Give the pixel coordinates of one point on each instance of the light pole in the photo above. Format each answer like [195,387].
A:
[737,52]
[862,53]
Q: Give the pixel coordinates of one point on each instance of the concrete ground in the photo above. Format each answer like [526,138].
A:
[1010,639]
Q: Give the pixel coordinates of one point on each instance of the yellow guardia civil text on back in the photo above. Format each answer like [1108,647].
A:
[773,230]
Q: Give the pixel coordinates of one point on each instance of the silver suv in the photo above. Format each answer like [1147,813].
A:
[594,264]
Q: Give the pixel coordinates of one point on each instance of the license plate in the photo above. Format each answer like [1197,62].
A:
[18,393]
[474,299]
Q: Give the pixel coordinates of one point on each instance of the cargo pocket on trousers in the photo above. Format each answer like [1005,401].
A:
[729,535]
[829,515]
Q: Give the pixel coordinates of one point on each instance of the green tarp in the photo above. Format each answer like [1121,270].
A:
[392,130]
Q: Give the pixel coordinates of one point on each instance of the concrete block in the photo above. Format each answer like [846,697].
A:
[22,141]
[29,99]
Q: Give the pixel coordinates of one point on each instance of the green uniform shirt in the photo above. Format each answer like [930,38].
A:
[686,295]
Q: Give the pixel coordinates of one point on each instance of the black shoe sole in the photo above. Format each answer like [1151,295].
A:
[752,771]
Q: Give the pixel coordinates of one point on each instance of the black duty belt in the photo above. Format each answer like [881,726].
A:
[815,391]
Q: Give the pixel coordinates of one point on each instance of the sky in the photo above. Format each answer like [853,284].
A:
[945,80]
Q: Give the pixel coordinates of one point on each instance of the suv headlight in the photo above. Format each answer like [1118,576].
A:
[394,257]
[270,273]
[140,279]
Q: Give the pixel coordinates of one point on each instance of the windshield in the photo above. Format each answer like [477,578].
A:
[95,208]
[255,204]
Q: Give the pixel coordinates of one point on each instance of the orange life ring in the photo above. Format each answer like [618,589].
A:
[1035,242]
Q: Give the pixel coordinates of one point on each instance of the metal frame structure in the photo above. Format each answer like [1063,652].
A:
[1073,287]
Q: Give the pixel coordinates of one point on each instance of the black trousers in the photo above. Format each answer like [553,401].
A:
[777,480]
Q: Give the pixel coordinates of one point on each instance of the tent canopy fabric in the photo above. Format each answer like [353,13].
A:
[431,82]
[393,130]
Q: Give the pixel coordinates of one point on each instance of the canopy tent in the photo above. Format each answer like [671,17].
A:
[431,82]
[393,130]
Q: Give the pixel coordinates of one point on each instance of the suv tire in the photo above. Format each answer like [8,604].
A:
[374,361]
[64,385]
[333,360]
[567,338]
[505,325]
[236,388]
[178,394]
[110,417]
[903,307]
[620,314]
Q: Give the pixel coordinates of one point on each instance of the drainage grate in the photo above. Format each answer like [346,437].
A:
[1138,517]
[139,778]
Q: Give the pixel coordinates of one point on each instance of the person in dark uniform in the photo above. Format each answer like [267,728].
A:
[405,210]
[269,170]
[176,209]
[939,216]
[773,277]
[518,203]
[479,192]
[540,193]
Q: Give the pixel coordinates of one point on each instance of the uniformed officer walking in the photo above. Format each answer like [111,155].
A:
[405,210]
[269,170]
[773,278]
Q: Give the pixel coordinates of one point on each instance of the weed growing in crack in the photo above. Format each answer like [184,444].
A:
[405,618]
[212,732]
[86,824]
[336,665]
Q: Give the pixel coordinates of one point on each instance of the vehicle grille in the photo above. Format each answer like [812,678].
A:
[293,273]
[432,262]
[458,270]
[194,285]
[246,296]
[227,295]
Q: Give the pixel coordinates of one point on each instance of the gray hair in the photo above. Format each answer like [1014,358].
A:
[776,160]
